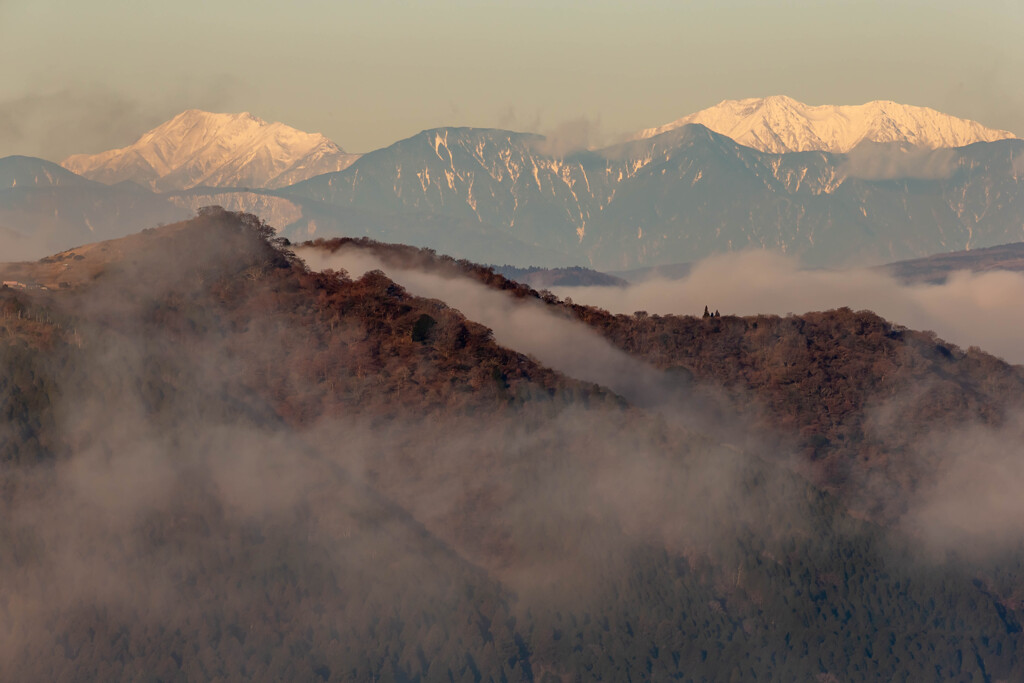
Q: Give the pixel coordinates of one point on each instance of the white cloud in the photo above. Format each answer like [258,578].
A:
[969,309]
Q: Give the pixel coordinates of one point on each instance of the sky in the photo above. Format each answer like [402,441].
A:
[87,76]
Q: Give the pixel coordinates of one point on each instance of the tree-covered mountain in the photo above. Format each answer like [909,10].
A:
[825,377]
[218,463]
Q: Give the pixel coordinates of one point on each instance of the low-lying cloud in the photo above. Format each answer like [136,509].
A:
[974,506]
[968,498]
[525,326]
[969,309]
[631,481]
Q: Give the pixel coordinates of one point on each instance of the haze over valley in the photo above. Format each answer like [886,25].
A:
[279,427]
[500,343]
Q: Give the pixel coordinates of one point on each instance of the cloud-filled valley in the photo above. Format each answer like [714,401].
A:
[751,284]
[969,309]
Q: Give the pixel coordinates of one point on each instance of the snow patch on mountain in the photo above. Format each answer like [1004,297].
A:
[198,148]
[780,124]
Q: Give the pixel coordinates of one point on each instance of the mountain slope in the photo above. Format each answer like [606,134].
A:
[217,150]
[849,362]
[781,124]
[676,197]
[25,172]
[500,196]
[46,208]
[316,477]
[938,267]
[497,178]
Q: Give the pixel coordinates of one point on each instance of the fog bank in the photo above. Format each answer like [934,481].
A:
[969,309]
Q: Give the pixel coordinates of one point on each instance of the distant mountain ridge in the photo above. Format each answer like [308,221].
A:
[781,124]
[938,267]
[501,196]
[46,208]
[676,197]
[219,150]
[22,171]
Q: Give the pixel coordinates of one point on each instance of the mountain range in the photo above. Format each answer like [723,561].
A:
[678,196]
[506,197]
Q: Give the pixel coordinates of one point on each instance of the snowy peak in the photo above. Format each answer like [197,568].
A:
[781,124]
[216,150]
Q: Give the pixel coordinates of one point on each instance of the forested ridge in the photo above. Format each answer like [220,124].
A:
[219,465]
[855,391]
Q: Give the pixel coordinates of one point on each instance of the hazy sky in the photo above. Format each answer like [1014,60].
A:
[85,76]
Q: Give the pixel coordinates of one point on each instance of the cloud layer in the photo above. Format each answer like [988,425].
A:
[969,309]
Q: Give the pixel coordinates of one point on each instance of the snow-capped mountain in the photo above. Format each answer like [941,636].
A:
[507,197]
[197,148]
[781,124]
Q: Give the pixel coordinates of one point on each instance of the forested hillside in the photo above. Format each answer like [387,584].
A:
[852,388]
[220,465]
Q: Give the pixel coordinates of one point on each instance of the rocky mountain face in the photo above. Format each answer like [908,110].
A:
[198,148]
[674,197]
[505,197]
[781,124]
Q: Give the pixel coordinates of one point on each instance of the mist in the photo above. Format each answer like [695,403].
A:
[567,136]
[969,309]
[965,498]
[874,161]
[967,502]
[525,326]
[88,118]
[248,465]
[178,493]
[973,508]
[15,246]
[632,480]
